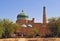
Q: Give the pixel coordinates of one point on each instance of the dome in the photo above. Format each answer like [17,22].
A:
[22,15]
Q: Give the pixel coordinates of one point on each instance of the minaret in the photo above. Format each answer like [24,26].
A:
[44,15]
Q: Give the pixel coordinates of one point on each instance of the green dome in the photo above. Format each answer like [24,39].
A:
[22,15]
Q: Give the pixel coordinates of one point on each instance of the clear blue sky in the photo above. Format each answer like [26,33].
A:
[34,8]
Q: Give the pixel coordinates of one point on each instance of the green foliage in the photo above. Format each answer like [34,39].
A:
[7,27]
[35,30]
[54,25]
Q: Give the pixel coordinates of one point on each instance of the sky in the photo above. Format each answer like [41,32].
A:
[9,9]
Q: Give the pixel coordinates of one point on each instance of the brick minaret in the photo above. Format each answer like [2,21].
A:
[44,15]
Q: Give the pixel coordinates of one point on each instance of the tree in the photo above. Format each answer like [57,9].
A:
[2,29]
[54,25]
[8,28]
[35,32]
[58,24]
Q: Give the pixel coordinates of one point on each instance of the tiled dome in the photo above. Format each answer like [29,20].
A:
[22,15]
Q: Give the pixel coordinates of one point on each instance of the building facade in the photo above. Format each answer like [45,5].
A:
[27,26]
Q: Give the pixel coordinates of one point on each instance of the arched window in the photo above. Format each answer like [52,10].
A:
[23,25]
[29,25]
